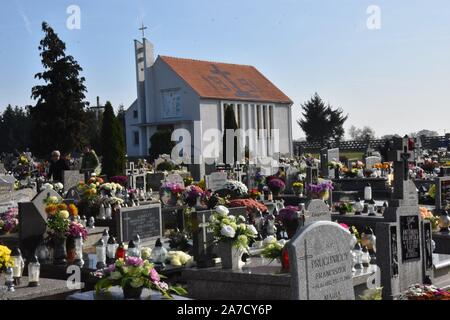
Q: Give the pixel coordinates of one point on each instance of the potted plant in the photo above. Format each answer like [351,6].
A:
[276,185]
[58,225]
[344,207]
[232,236]
[173,191]
[321,190]
[290,220]
[133,275]
[9,221]
[298,188]
[238,188]
[273,250]
[192,195]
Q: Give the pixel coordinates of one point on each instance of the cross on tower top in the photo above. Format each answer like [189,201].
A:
[143,28]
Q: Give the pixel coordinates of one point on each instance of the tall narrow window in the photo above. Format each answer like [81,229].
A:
[265,117]
[136,138]
[258,118]
[239,116]
[270,120]
[135,114]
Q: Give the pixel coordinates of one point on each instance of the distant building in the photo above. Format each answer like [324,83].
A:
[176,92]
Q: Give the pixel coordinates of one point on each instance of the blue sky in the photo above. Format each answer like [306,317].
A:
[395,79]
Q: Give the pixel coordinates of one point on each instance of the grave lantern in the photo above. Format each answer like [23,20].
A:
[357,251]
[79,250]
[91,223]
[19,264]
[105,236]
[444,222]
[120,253]
[365,257]
[84,221]
[368,192]
[368,239]
[34,270]
[132,249]
[371,208]
[108,212]
[100,250]
[137,242]
[159,254]
[358,207]
[9,279]
[111,249]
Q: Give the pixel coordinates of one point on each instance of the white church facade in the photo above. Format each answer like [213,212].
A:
[192,94]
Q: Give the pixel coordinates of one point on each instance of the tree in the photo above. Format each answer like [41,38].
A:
[15,129]
[113,145]
[230,124]
[121,118]
[321,122]
[364,134]
[161,143]
[92,130]
[58,116]
[426,133]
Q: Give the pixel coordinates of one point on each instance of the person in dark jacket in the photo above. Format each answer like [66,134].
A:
[57,166]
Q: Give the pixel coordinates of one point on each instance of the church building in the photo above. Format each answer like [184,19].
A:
[179,93]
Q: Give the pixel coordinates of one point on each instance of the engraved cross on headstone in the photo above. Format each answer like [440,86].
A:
[204,226]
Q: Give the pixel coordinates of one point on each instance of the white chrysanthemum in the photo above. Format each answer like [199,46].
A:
[252,229]
[228,231]
[269,240]
[222,210]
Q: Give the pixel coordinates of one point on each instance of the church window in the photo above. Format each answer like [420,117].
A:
[239,116]
[171,103]
[270,120]
[258,118]
[135,114]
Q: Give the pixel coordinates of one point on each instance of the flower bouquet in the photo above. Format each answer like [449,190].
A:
[173,191]
[298,187]
[122,180]
[320,190]
[192,195]
[110,188]
[255,194]
[273,249]
[60,226]
[425,292]
[289,218]
[232,235]
[428,215]
[9,221]
[238,188]
[251,205]
[276,185]
[344,208]
[5,258]
[58,187]
[133,275]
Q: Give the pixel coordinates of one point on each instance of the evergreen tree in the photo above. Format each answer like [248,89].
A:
[113,145]
[321,122]
[229,123]
[15,129]
[161,143]
[58,116]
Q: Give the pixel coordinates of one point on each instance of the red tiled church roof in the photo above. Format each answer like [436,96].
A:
[226,81]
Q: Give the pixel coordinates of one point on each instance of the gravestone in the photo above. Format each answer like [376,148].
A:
[321,263]
[2,168]
[154,180]
[400,239]
[143,220]
[202,236]
[216,181]
[6,188]
[371,161]
[130,173]
[317,210]
[71,178]
[73,194]
[291,177]
[39,204]
[312,176]
[333,154]
[175,178]
[442,193]
[324,162]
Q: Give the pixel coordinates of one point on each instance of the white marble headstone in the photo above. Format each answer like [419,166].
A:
[371,161]
[38,201]
[216,180]
[321,263]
